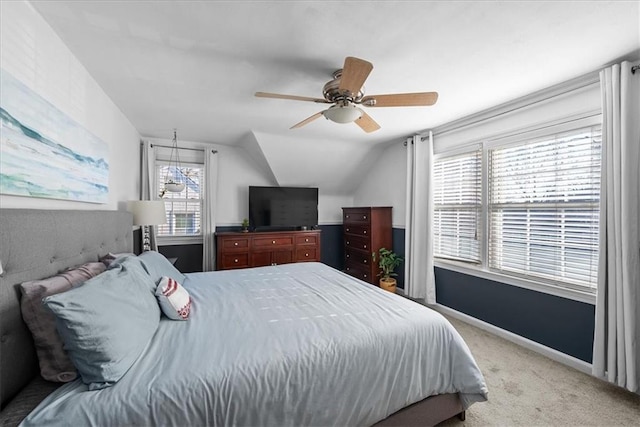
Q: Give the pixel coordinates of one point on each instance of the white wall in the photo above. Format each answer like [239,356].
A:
[33,53]
[385,183]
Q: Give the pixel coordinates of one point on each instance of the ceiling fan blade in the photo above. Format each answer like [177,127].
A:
[367,124]
[400,99]
[354,73]
[293,97]
[307,120]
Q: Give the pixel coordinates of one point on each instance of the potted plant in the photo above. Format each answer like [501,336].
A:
[245,225]
[388,262]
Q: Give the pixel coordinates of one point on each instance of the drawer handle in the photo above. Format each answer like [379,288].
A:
[273,241]
[348,255]
[365,231]
[365,275]
[235,244]
[306,255]
[347,216]
[347,242]
[365,261]
[348,269]
[365,246]
[364,217]
[235,260]
[306,240]
[347,230]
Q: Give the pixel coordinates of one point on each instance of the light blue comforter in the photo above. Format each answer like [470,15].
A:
[290,345]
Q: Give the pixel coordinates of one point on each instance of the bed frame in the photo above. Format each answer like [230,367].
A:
[35,244]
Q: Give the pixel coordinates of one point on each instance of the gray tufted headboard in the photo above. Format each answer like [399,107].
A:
[35,244]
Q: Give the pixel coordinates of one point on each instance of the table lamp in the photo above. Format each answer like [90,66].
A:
[146,213]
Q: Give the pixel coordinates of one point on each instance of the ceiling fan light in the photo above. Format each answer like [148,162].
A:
[343,113]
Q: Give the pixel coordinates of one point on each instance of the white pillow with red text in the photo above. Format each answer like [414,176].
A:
[174,299]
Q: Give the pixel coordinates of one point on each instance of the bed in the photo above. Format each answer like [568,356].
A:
[297,344]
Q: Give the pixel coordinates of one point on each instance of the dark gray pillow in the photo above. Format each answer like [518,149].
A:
[54,361]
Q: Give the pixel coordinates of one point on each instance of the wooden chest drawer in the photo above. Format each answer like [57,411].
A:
[357,242]
[259,242]
[240,260]
[357,230]
[356,216]
[357,271]
[307,254]
[358,257]
[232,244]
[307,240]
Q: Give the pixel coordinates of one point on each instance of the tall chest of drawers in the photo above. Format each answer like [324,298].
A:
[365,230]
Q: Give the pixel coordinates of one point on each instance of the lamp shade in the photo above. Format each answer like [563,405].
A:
[147,212]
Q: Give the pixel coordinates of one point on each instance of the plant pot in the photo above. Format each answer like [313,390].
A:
[245,230]
[174,187]
[388,284]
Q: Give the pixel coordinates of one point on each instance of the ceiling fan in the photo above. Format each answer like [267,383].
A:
[346,93]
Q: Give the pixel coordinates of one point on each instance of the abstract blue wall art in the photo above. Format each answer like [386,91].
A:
[44,153]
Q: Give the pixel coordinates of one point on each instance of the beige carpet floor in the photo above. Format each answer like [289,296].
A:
[528,389]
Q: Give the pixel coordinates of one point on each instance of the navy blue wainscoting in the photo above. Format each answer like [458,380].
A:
[332,246]
[398,248]
[189,256]
[560,323]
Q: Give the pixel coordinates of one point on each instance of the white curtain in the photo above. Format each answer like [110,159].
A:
[616,351]
[147,172]
[419,281]
[209,210]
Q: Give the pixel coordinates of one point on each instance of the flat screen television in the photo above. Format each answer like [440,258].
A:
[282,208]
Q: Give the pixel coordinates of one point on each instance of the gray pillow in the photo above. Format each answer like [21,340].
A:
[158,266]
[107,322]
[54,362]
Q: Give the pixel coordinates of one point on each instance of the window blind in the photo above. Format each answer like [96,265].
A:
[183,208]
[457,206]
[543,208]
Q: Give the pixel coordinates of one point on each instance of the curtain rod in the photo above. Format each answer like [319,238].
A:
[184,148]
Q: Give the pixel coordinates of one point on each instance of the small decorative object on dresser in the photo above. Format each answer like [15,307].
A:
[245,225]
[366,230]
[388,261]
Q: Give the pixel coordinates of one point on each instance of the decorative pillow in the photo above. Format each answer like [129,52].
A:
[175,301]
[55,364]
[107,322]
[109,258]
[158,266]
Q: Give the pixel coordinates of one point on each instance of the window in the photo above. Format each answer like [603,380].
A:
[183,208]
[526,207]
[543,207]
[457,206]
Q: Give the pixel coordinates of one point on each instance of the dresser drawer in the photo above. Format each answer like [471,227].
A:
[358,257]
[307,240]
[356,270]
[260,242]
[356,216]
[357,230]
[235,244]
[357,242]
[240,260]
[307,254]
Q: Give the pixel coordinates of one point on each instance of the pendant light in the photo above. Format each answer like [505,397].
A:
[173,180]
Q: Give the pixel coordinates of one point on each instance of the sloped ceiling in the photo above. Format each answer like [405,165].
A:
[196,65]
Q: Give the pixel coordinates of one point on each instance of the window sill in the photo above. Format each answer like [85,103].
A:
[573,294]
[179,240]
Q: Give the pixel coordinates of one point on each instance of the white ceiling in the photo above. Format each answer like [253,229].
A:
[195,66]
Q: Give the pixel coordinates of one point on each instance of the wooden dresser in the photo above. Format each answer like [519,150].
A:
[365,230]
[242,250]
